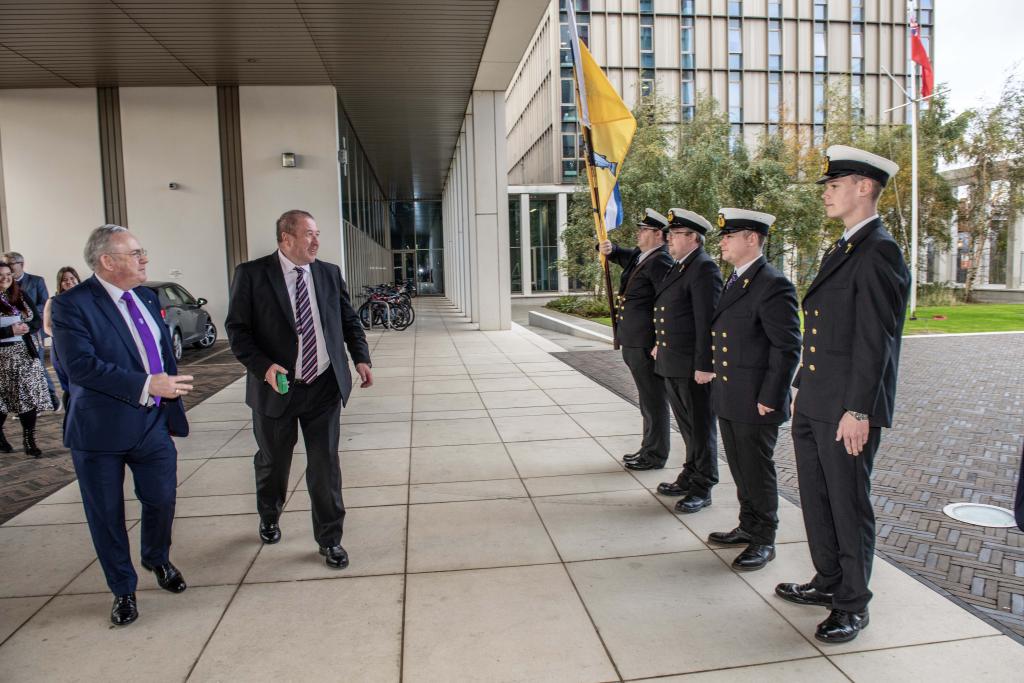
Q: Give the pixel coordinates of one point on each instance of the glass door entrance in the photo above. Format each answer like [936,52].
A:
[405,265]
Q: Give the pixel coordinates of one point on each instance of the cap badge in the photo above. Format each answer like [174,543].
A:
[671,215]
[824,166]
[721,220]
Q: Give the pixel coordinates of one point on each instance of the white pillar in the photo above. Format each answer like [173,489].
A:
[492,300]
[525,251]
[563,221]
[1014,247]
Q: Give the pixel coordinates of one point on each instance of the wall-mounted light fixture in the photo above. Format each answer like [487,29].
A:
[172,186]
[288,159]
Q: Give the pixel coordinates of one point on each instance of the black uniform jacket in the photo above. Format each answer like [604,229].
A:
[261,328]
[635,301]
[684,302]
[853,326]
[755,339]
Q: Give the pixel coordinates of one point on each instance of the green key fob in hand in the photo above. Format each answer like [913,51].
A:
[282,383]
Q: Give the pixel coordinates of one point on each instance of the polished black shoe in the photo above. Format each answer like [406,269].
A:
[335,557]
[803,594]
[644,463]
[5,445]
[270,532]
[125,610]
[754,557]
[167,576]
[693,503]
[632,457]
[842,626]
[735,537]
[671,488]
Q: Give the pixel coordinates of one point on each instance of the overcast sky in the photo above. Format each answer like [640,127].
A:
[978,43]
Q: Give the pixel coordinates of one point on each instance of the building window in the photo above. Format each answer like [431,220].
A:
[926,38]
[924,12]
[775,9]
[735,8]
[515,242]
[820,10]
[688,96]
[646,6]
[735,135]
[544,243]
[774,45]
[819,98]
[774,96]
[820,47]
[686,7]
[735,44]
[857,10]
[647,42]
[857,95]
[686,43]
[735,97]
[819,135]
[857,48]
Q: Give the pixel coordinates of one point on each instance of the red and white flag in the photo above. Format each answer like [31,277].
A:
[920,55]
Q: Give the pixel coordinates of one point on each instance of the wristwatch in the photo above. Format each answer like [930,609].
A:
[860,417]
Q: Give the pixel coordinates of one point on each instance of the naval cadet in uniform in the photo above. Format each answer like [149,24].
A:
[644,266]
[685,301]
[755,341]
[853,323]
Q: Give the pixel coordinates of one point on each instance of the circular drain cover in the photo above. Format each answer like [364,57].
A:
[981,515]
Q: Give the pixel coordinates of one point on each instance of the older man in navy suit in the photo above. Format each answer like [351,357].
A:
[125,406]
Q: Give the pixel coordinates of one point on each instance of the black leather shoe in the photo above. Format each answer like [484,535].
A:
[335,557]
[168,576]
[270,532]
[754,557]
[735,537]
[842,626]
[671,488]
[632,457]
[644,463]
[125,610]
[803,594]
[693,503]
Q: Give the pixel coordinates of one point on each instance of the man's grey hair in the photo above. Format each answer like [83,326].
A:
[99,243]
[12,257]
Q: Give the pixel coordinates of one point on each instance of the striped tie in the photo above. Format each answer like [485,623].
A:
[304,323]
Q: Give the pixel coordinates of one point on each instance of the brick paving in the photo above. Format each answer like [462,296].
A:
[957,437]
[25,481]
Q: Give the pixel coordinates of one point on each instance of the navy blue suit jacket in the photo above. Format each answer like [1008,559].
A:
[35,287]
[105,370]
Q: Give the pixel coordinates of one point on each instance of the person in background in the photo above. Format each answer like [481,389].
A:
[34,286]
[22,388]
[67,277]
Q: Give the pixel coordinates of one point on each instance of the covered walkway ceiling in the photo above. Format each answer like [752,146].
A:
[404,69]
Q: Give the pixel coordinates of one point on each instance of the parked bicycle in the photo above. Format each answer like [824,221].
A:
[386,306]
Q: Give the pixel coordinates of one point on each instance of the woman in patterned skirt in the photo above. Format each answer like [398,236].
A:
[23,387]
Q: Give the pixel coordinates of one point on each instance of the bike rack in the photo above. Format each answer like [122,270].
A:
[387,308]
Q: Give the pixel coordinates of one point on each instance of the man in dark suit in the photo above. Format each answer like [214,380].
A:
[290,315]
[853,323]
[755,336]
[35,287]
[125,406]
[685,301]
[643,267]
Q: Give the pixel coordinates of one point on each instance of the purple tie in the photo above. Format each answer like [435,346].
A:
[307,333]
[732,280]
[156,366]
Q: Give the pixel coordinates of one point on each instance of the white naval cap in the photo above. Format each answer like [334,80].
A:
[681,218]
[732,220]
[841,160]
[653,219]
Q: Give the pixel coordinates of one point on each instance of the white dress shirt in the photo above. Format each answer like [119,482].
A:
[646,254]
[850,231]
[290,280]
[742,269]
[115,294]
[679,262]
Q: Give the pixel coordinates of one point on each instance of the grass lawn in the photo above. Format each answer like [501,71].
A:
[963,318]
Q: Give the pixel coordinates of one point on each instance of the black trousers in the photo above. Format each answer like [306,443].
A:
[653,402]
[317,408]
[835,493]
[691,404]
[750,449]
[153,462]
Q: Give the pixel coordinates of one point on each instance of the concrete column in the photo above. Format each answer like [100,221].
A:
[492,301]
[1014,247]
[525,253]
[563,222]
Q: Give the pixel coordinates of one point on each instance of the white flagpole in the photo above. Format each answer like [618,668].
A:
[912,70]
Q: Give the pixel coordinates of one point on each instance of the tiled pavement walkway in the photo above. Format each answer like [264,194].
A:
[493,537]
